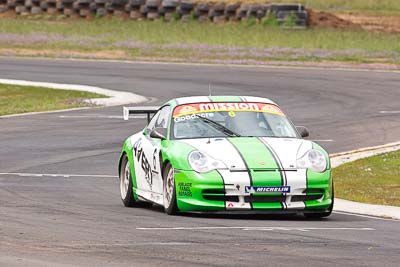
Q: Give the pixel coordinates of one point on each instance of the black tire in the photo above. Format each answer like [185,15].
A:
[143,10]
[153,3]
[93,7]
[322,214]
[244,7]
[118,3]
[287,7]
[187,5]
[101,12]
[83,2]
[219,7]
[231,8]
[170,3]
[128,198]
[202,7]
[153,15]
[136,3]
[43,5]
[170,204]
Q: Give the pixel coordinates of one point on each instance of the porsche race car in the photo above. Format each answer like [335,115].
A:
[224,154]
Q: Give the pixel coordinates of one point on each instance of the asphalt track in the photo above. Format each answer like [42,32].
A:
[77,218]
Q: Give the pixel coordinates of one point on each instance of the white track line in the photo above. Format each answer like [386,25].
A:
[255,228]
[21,174]
[43,112]
[307,229]
[389,111]
[100,116]
[90,116]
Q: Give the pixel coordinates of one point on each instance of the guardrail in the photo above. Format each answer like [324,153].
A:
[217,12]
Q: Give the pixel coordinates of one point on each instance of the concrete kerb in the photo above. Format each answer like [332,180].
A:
[349,156]
[363,208]
[116,98]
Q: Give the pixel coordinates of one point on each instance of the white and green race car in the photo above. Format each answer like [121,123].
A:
[224,154]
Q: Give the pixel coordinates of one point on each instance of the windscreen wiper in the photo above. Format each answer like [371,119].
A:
[219,127]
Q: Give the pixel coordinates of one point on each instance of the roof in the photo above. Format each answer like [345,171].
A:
[207,99]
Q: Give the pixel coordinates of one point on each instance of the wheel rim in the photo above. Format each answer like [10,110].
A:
[124,181]
[169,188]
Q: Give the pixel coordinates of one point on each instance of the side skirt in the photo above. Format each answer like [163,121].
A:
[148,196]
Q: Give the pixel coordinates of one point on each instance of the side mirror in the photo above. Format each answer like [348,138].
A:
[303,131]
[159,133]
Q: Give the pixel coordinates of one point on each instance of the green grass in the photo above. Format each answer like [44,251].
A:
[21,99]
[370,6]
[152,39]
[371,180]
[391,7]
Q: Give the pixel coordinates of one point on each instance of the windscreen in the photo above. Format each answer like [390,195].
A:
[230,119]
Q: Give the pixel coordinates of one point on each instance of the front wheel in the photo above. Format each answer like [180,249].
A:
[169,191]
[125,183]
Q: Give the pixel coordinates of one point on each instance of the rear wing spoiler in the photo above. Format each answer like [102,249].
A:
[148,110]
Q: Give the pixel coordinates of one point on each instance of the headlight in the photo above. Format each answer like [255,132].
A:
[201,162]
[313,159]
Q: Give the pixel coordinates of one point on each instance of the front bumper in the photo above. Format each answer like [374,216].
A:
[207,193]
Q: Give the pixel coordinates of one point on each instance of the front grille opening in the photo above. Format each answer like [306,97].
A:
[213,192]
[264,199]
[306,197]
[313,191]
[221,198]
[218,195]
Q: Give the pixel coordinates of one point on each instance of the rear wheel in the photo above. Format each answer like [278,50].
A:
[169,192]
[322,214]
[125,183]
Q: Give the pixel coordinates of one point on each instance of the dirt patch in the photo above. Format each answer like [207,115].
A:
[373,23]
[329,20]
[354,21]
[8,14]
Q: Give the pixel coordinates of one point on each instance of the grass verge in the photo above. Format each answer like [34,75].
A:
[192,41]
[373,180]
[368,6]
[21,99]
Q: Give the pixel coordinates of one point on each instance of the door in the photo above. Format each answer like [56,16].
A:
[147,159]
